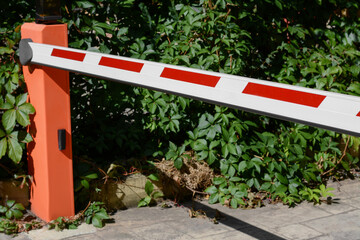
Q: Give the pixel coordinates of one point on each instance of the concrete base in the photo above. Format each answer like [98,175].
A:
[124,194]
[10,190]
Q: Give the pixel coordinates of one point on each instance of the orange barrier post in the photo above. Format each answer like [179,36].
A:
[52,188]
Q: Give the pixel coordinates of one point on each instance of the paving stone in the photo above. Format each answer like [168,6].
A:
[339,226]
[5,237]
[278,222]
[45,234]
[355,202]
[248,233]
[348,235]
[336,207]
[352,235]
[150,214]
[346,189]
[85,237]
[234,218]
[298,232]
[21,236]
[261,232]
[284,216]
[158,231]
[324,237]
[118,232]
[198,228]
[230,219]
[231,235]
[146,216]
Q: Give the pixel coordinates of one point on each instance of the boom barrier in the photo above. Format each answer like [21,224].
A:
[329,110]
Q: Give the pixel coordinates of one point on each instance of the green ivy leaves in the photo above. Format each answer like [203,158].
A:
[12,144]
[17,110]
[177,154]
[14,109]
[252,153]
[12,210]
[14,148]
[96,214]
[149,190]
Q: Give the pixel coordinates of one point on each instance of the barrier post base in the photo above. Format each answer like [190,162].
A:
[50,165]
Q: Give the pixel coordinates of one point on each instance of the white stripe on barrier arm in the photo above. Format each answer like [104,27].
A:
[333,111]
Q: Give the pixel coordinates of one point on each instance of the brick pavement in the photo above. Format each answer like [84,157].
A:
[340,220]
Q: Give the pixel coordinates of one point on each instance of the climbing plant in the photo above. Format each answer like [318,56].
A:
[311,44]
[15,112]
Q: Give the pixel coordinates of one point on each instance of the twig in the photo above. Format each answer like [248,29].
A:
[86,208]
[211,5]
[81,213]
[106,176]
[5,168]
[228,12]
[342,157]
[195,191]
[67,10]
[261,158]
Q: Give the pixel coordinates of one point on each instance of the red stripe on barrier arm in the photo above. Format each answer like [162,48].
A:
[190,77]
[283,94]
[68,54]
[121,64]
[358,115]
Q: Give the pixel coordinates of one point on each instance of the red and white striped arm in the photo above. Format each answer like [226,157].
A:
[333,111]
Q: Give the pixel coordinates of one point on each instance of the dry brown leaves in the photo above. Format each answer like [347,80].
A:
[194,175]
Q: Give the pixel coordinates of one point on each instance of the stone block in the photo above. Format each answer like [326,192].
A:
[10,190]
[123,194]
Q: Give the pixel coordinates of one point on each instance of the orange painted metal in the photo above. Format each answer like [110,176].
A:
[52,170]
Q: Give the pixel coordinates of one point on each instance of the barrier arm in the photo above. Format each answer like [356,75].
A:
[328,110]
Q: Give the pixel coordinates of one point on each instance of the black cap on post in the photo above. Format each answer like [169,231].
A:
[47,11]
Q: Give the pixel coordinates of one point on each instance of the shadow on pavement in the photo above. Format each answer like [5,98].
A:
[233,222]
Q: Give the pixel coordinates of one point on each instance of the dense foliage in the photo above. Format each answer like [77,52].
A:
[14,109]
[312,44]
[308,43]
